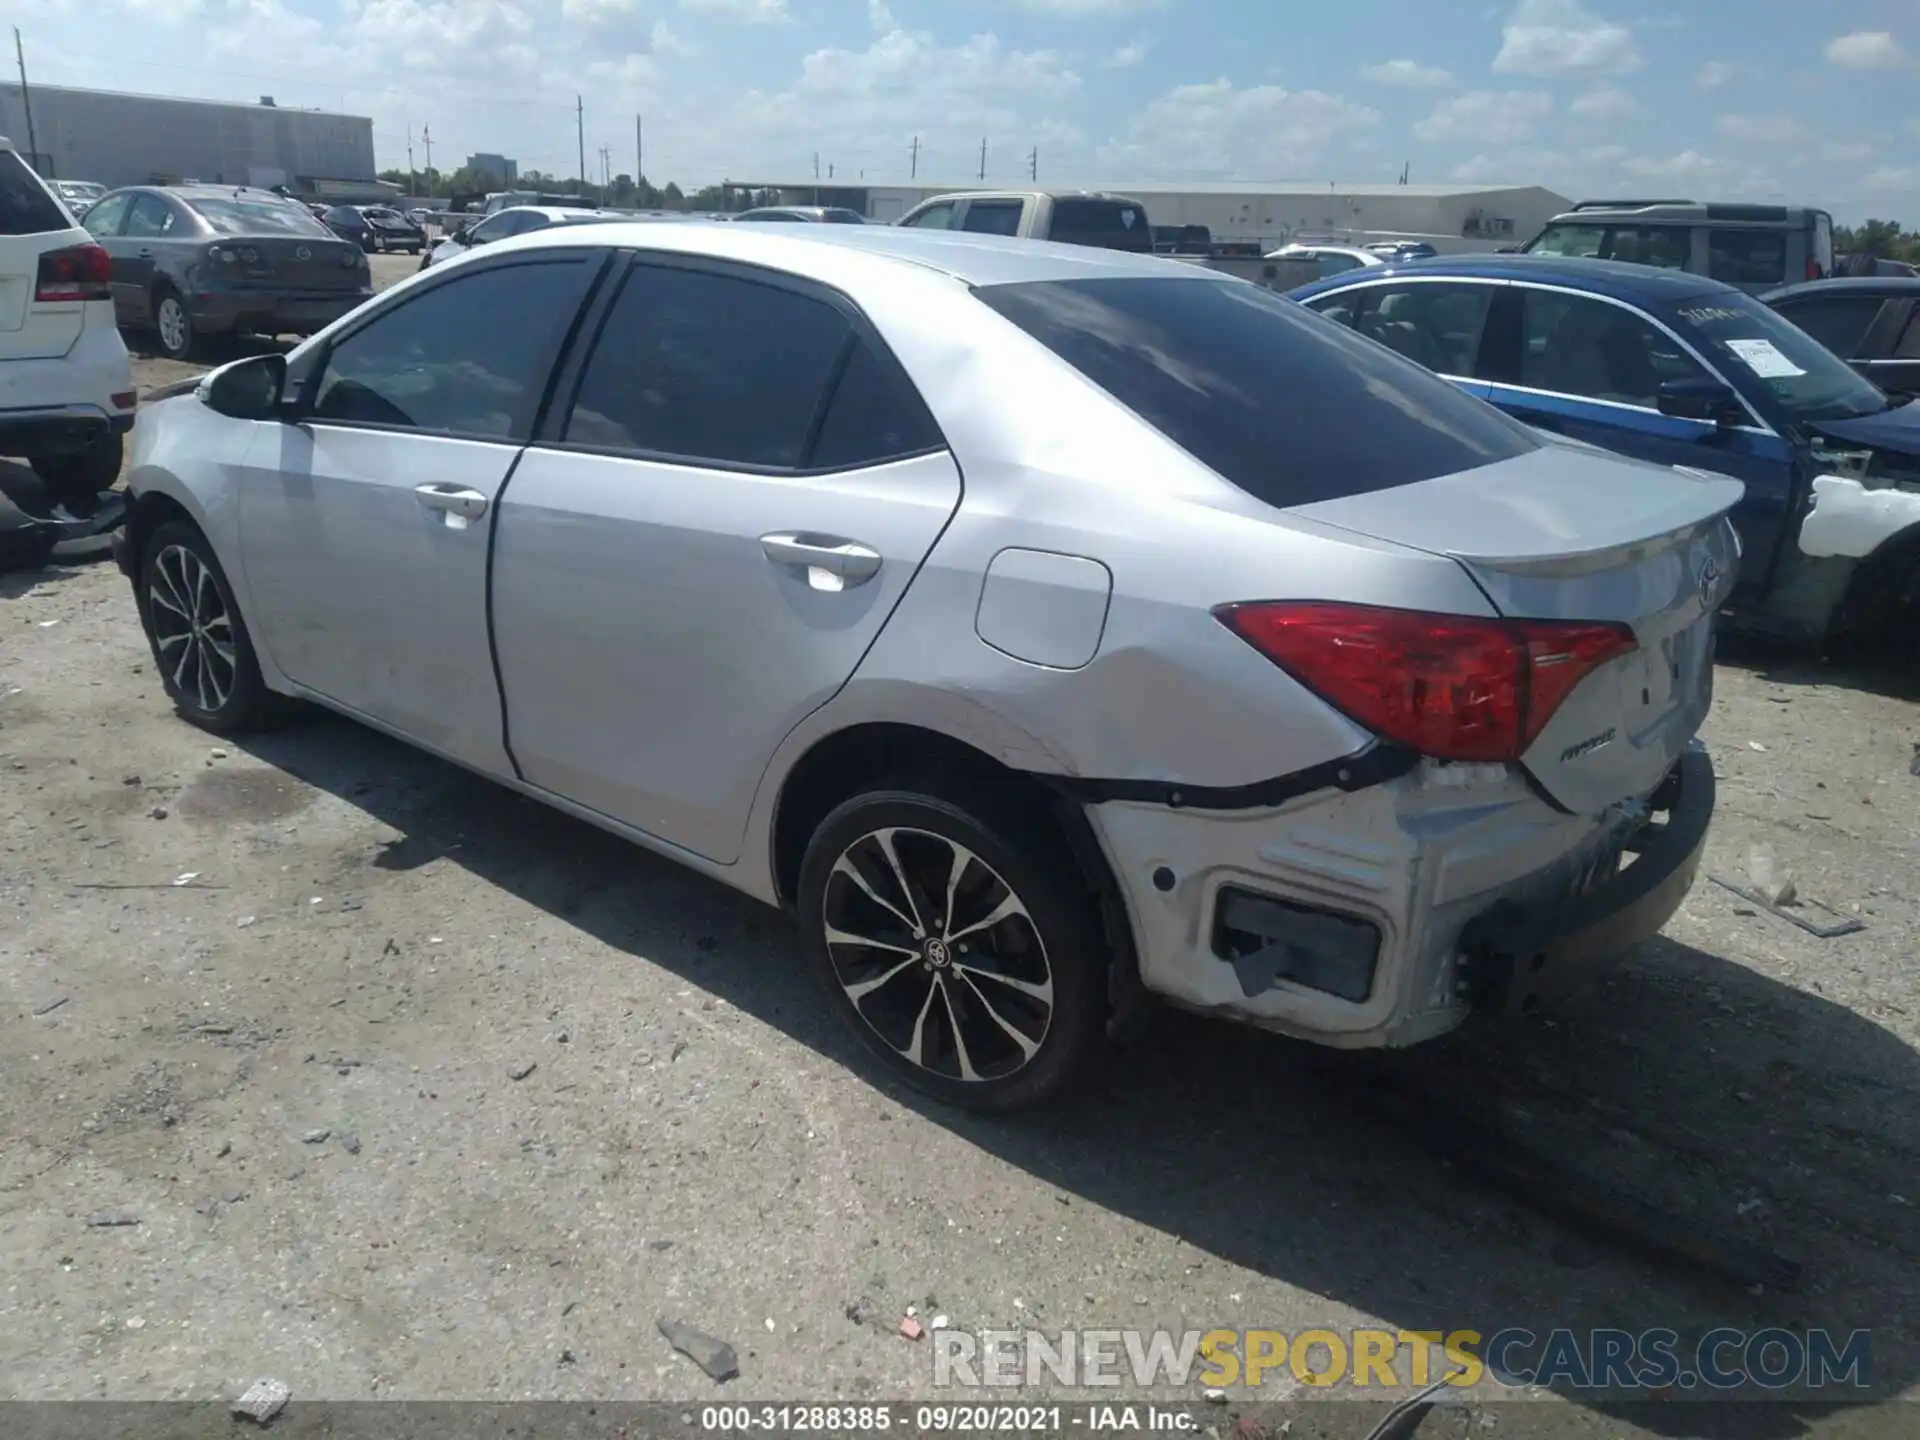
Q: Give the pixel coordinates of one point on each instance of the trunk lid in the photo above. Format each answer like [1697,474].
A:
[296,262]
[1567,533]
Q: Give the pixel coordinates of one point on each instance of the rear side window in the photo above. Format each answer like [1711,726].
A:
[1104,224]
[1289,408]
[25,206]
[708,368]
[1662,245]
[1435,325]
[875,414]
[1909,346]
[1747,257]
[1838,322]
[992,217]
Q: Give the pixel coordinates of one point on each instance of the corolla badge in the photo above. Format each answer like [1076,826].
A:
[1709,581]
[303,253]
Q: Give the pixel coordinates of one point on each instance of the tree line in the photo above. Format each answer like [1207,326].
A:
[623,193]
[1883,239]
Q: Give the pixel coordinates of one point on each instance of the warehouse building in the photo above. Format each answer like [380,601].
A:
[1270,213]
[120,139]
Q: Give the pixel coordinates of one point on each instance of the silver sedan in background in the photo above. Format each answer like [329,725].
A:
[1046,628]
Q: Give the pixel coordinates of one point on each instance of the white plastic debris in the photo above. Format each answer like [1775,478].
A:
[264,1400]
[1772,880]
[186,877]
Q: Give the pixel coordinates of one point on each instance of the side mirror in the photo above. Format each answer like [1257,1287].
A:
[248,389]
[1702,399]
[462,236]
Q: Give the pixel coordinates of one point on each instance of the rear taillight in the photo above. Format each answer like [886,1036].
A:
[1813,268]
[1456,687]
[77,273]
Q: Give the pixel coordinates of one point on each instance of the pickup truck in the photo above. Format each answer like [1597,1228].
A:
[1082,217]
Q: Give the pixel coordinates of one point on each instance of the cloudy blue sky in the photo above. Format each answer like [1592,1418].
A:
[1728,98]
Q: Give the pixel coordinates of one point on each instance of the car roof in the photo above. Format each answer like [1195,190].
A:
[969,258]
[1890,285]
[219,192]
[1647,284]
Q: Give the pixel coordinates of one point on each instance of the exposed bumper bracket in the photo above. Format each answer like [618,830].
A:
[1374,765]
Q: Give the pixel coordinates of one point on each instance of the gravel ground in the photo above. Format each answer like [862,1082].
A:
[295,1073]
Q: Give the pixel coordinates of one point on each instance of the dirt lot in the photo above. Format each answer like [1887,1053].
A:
[292,1073]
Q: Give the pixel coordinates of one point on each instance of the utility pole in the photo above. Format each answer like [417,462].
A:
[26,100]
[426,139]
[580,128]
[816,164]
[983,157]
[639,152]
[606,168]
[413,180]
[913,160]
[1033,163]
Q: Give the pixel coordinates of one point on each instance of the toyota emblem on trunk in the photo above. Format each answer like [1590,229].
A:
[1709,578]
[303,253]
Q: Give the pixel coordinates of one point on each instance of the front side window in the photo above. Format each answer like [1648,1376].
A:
[467,357]
[1838,322]
[1574,242]
[993,217]
[1287,408]
[1747,257]
[1438,326]
[934,217]
[1577,345]
[497,227]
[708,368]
[1754,346]
[25,206]
[150,217]
[103,220]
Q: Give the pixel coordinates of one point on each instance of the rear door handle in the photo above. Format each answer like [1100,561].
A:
[146,254]
[831,562]
[459,504]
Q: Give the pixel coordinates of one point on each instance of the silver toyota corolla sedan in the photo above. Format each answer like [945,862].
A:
[1046,628]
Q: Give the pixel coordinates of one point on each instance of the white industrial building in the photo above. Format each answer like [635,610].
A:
[115,138]
[1270,213]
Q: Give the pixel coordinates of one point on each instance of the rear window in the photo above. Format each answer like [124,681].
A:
[1747,257]
[25,206]
[1105,224]
[1290,407]
[259,217]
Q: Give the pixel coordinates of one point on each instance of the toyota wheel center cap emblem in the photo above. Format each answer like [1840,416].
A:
[303,253]
[937,953]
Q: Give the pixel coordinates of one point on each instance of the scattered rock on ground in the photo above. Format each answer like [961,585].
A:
[716,1357]
[263,1400]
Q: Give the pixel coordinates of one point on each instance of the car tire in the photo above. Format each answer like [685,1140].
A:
[199,640]
[77,480]
[1018,1023]
[173,325]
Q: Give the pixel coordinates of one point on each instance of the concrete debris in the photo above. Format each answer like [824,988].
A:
[350,1143]
[522,1070]
[911,1328]
[111,1220]
[659,1244]
[264,1400]
[159,812]
[246,922]
[186,877]
[315,1137]
[226,1149]
[1772,881]
[939,1322]
[716,1357]
[216,753]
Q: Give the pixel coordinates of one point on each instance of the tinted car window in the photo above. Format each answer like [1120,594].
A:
[875,414]
[104,219]
[1438,326]
[1106,224]
[1838,322]
[1333,263]
[708,367]
[1756,347]
[1909,346]
[230,216]
[845,217]
[993,217]
[1661,245]
[468,357]
[1747,257]
[1576,345]
[1246,380]
[150,216]
[25,206]
[497,227]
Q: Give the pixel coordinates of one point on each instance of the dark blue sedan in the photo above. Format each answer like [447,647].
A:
[1681,370]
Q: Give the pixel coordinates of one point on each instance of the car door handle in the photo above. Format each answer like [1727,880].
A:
[459,503]
[146,254]
[826,558]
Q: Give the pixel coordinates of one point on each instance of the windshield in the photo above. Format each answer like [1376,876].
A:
[235,216]
[1760,348]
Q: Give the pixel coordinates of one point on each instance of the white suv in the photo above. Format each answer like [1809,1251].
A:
[66,385]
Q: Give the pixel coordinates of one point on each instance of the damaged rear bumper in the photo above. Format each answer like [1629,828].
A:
[1513,957]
